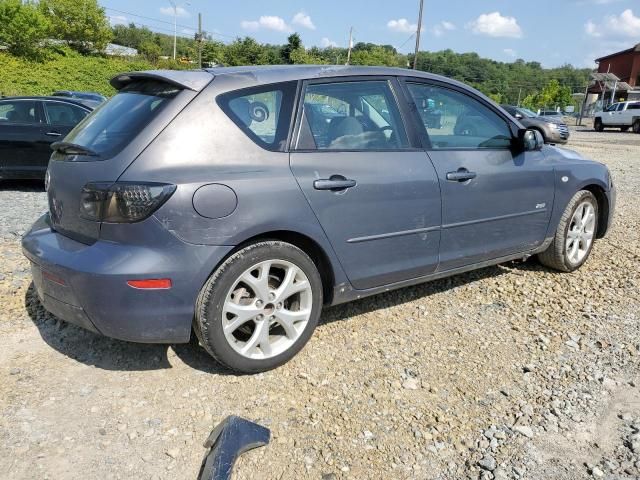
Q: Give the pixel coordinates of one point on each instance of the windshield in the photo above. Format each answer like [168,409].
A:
[525,112]
[115,123]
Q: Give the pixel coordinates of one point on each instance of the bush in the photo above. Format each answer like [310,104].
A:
[64,69]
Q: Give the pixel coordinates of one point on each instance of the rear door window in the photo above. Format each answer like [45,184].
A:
[262,113]
[64,113]
[115,123]
[351,115]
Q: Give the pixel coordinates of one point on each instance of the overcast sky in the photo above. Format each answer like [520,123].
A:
[552,32]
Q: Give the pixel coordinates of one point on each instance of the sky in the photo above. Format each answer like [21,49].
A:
[552,32]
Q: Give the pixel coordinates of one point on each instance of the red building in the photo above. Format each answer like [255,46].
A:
[626,66]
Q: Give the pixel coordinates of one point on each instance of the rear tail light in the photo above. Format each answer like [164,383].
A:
[122,202]
[151,284]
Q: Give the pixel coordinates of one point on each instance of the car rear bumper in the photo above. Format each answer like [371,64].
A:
[87,284]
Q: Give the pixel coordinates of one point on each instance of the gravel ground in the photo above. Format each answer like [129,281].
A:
[508,372]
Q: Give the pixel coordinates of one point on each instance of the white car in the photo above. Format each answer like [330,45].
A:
[622,115]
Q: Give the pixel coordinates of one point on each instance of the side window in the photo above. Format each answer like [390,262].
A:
[263,113]
[612,108]
[343,115]
[456,120]
[23,111]
[634,106]
[64,113]
[620,107]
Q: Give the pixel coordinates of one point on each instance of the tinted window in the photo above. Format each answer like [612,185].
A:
[634,106]
[64,113]
[18,111]
[620,107]
[114,124]
[263,113]
[455,120]
[612,108]
[351,116]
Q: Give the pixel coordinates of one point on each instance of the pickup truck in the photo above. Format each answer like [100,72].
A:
[622,115]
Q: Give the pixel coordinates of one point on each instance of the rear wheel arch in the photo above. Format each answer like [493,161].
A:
[305,243]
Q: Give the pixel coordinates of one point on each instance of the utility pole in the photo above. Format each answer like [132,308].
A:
[200,39]
[415,56]
[519,95]
[584,102]
[175,24]
[350,46]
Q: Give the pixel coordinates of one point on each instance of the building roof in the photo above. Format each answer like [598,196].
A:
[635,48]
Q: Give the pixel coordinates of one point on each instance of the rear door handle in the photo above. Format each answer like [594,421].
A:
[335,183]
[461,175]
[53,134]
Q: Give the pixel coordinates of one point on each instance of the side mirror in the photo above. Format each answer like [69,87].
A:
[518,116]
[532,140]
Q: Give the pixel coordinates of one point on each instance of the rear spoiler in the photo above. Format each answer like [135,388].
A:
[194,80]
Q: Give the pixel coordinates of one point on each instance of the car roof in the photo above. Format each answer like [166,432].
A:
[73,101]
[265,74]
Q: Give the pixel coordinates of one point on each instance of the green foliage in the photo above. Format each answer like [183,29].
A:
[150,50]
[294,44]
[62,70]
[22,27]
[80,22]
[552,95]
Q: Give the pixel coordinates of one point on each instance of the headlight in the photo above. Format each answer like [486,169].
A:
[554,126]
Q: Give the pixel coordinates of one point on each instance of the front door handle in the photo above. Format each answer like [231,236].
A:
[54,134]
[461,175]
[334,183]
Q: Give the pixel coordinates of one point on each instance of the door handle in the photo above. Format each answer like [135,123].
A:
[53,134]
[461,175]
[335,183]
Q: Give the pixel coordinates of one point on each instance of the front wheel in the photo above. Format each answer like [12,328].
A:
[597,125]
[260,307]
[574,237]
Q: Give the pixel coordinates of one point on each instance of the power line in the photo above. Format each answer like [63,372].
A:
[165,22]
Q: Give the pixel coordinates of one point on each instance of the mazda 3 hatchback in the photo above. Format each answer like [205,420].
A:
[237,202]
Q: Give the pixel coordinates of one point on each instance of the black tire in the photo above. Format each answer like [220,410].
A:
[555,256]
[624,129]
[636,126]
[597,125]
[208,324]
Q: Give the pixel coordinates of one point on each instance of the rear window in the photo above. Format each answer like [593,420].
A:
[262,113]
[114,124]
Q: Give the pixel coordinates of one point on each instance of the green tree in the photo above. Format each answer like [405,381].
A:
[22,27]
[243,51]
[80,22]
[294,43]
[150,50]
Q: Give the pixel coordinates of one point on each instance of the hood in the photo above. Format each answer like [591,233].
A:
[549,119]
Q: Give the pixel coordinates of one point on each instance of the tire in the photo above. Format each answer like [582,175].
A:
[624,129]
[249,348]
[597,125]
[558,255]
[636,126]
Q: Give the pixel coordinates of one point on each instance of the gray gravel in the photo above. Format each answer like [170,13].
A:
[511,372]
[22,203]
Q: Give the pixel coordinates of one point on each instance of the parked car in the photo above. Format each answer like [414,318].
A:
[222,206]
[553,129]
[28,127]
[622,115]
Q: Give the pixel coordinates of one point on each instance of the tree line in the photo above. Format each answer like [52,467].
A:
[27,28]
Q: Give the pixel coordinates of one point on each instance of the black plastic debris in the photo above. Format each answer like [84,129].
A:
[230,439]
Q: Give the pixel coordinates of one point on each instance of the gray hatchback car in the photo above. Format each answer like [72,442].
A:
[236,202]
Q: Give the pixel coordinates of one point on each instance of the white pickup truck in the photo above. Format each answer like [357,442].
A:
[622,115]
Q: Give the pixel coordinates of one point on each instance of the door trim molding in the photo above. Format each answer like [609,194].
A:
[493,219]
[399,233]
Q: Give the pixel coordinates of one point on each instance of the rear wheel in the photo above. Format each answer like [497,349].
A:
[574,237]
[260,307]
[636,126]
[624,129]
[597,125]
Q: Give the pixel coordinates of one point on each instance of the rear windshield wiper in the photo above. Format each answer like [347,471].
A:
[72,149]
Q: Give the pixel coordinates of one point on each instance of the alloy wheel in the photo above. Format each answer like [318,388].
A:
[267,309]
[580,233]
